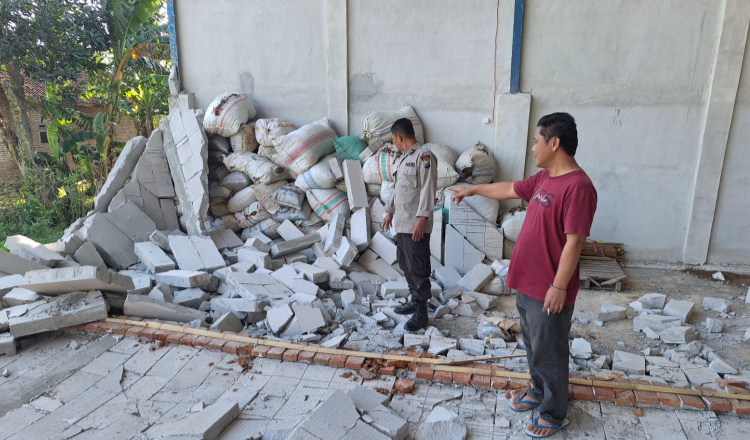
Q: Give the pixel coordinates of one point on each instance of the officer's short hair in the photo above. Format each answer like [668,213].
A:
[404,128]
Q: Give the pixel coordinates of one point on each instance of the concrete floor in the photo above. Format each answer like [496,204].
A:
[55,391]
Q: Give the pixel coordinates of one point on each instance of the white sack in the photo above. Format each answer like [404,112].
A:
[227,113]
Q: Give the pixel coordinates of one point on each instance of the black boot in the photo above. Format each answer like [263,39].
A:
[407,309]
[419,319]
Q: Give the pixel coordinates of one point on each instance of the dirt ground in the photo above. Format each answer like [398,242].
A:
[684,285]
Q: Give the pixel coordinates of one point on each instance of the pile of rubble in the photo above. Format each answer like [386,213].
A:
[193,226]
[680,360]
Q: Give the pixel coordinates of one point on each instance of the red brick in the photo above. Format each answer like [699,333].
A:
[306,356]
[216,344]
[692,402]
[624,397]
[404,386]
[726,382]
[354,362]
[669,399]
[603,394]
[291,355]
[147,332]
[161,335]
[388,371]
[133,330]
[118,328]
[92,327]
[322,359]
[245,350]
[741,407]
[401,363]
[174,337]
[463,378]
[339,361]
[444,376]
[201,341]
[583,392]
[187,340]
[425,372]
[479,380]
[259,350]
[276,353]
[231,347]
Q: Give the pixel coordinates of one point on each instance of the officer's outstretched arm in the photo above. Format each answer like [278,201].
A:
[498,190]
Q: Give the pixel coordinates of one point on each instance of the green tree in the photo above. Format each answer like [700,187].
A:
[52,41]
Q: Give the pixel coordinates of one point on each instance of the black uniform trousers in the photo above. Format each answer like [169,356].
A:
[414,261]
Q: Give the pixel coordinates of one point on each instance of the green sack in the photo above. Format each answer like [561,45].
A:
[349,147]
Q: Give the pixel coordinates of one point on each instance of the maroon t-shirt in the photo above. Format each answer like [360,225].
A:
[557,206]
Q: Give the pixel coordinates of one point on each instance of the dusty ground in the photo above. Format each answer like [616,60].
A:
[685,285]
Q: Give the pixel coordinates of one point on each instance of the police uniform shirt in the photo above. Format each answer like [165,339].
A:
[414,192]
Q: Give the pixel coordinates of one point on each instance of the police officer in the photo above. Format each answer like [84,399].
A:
[409,211]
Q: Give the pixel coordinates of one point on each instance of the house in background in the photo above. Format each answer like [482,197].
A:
[35,92]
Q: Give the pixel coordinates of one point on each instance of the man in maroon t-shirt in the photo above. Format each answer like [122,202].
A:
[544,268]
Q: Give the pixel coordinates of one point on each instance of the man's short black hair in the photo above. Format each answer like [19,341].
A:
[404,128]
[562,126]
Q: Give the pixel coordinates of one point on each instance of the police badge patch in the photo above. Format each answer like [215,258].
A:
[426,160]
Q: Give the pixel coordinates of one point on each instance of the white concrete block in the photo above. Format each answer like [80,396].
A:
[382,268]
[225,239]
[359,232]
[206,424]
[278,317]
[440,345]
[63,311]
[254,309]
[114,246]
[416,340]
[228,322]
[459,253]
[161,292]
[475,347]
[183,278]
[87,255]
[10,282]
[653,300]
[366,399]
[153,257]
[132,222]
[196,253]
[448,276]
[612,312]
[257,258]
[337,167]
[678,335]
[145,307]
[258,244]
[19,296]
[306,319]
[581,349]
[355,184]
[713,325]
[384,247]
[7,344]
[29,249]
[680,309]
[657,323]
[442,424]
[295,245]
[720,305]
[486,302]
[311,273]
[192,297]
[120,172]
[399,288]
[335,232]
[64,280]
[629,363]
[721,366]
[346,253]
[333,419]
[436,236]
[476,278]
[15,265]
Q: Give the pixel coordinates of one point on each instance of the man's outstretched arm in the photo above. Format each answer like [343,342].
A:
[499,191]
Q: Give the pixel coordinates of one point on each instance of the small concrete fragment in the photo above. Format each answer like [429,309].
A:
[10,282]
[196,253]
[346,253]
[145,307]
[258,258]
[228,322]
[306,319]
[657,323]
[192,297]
[333,419]
[476,278]
[295,245]
[581,349]
[153,257]
[653,300]
[721,366]
[628,362]
[161,292]
[716,304]
[678,335]
[63,311]
[388,423]
[29,249]
[713,325]
[442,424]
[440,345]
[161,239]
[225,239]
[278,317]
[7,346]
[19,296]
[183,278]
[612,312]
[680,309]
[87,255]
[68,279]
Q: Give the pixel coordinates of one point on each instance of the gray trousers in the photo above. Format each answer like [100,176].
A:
[414,261]
[547,352]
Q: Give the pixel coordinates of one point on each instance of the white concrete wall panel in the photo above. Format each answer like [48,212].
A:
[273,50]
[635,76]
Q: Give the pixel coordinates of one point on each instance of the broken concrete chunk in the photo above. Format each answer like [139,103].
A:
[120,172]
[15,265]
[713,325]
[398,288]
[442,424]
[384,247]
[311,273]
[196,253]
[459,252]
[581,349]
[655,322]
[228,322]
[258,244]
[206,424]
[161,292]
[486,302]
[10,282]
[306,320]
[183,278]
[132,222]
[653,300]
[476,278]
[355,184]
[225,239]
[87,255]
[29,249]
[721,366]
[678,335]
[145,307]
[346,253]
[278,317]
[192,297]
[153,257]
[679,309]
[716,304]
[19,296]
[333,419]
[475,347]
[628,362]
[440,345]
[256,257]
[161,239]
[64,280]
[611,312]
[64,311]
[359,232]
[7,345]
[290,246]
[447,276]
[114,246]
[366,399]
[254,308]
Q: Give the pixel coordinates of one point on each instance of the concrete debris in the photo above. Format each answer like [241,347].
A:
[716,304]
[63,311]
[442,424]
[384,247]
[680,309]
[297,244]
[7,347]
[29,249]
[153,257]
[19,296]
[253,310]
[64,280]
[87,255]
[228,322]
[14,265]
[120,172]
[581,349]
[459,252]
[476,278]
[721,366]
[678,335]
[10,282]
[161,292]
[655,322]
[713,325]
[628,362]
[196,253]
[653,300]
[206,424]
[611,312]
[440,345]
[145,307]
[183,278]
[718,276]
[192,297]
[279,317]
